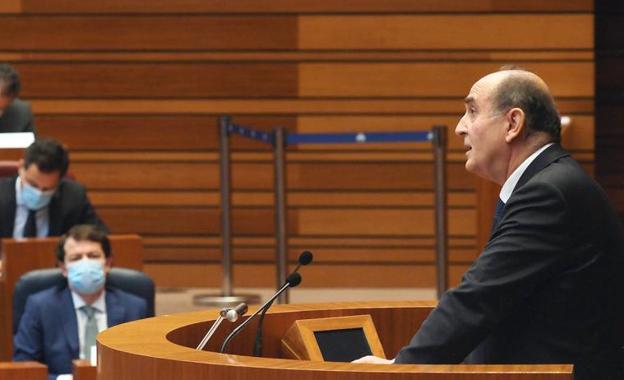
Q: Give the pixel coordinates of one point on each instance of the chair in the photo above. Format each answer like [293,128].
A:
[8,168]
[128,280]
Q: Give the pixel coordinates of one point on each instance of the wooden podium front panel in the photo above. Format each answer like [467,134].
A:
[24,255]
[23,370]
[162,348]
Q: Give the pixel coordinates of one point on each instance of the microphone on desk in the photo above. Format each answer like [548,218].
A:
[305,258]
[293,280]
[231,315]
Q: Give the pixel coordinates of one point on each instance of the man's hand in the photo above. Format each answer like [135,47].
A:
[370,359]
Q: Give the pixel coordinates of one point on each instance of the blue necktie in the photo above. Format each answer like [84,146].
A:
[498,214]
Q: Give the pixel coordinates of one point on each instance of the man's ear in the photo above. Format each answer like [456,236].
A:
[63,268]
[20,166]
[108,264]
[515,118]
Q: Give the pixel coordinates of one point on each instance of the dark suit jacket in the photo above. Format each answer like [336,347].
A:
[548,286]
[69,206]
[48,330]
[17,117]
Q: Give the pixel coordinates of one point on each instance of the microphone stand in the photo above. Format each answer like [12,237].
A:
[304,259]
[246,321]
[210,333]
[257,349]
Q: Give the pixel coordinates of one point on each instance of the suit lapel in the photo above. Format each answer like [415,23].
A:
[70,323]
[8,223]
[54,219]
[115,312]
[548,156]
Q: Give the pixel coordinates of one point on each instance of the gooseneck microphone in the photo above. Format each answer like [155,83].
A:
[305,258]
[231,315]
[293,280]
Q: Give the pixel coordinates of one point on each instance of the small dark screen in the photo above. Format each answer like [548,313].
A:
[342,345]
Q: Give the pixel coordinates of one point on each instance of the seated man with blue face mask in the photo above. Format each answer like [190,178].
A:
[60,324]
[39,202]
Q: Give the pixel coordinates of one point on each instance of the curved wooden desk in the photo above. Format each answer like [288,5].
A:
[160,348]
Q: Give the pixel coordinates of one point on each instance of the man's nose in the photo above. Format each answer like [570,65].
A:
[460,129]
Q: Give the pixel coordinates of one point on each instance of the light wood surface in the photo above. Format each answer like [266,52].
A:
[139,115]
[160,348]
[24,255]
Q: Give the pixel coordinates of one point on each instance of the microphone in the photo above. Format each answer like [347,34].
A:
[293,280]
[231,315]
[305,258]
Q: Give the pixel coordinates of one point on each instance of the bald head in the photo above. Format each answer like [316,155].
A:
[527,91]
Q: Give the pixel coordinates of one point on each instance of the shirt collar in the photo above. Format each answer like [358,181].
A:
[18,193]
[510,183]
[99,304]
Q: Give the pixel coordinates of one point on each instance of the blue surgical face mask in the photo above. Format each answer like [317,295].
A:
[34,198]
[86,276]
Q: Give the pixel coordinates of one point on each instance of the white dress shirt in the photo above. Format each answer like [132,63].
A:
[100,316]
[512,181]
[21,214]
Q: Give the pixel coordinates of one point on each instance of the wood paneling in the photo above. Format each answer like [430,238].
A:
[323,276]
[444,32]
[149,132]
[175,32]
[373,107]
[135,90]
[158,80]
[393,175]
[304,6]
[311,222]
[565,79]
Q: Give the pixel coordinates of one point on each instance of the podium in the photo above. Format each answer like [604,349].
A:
[163,348]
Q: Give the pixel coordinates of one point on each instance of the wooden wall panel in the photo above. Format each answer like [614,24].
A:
[302,222]
[565,79]
[135,91]
[303,6]
[175,32]
[158,80]
[149,132]
[378,176]
[444,32]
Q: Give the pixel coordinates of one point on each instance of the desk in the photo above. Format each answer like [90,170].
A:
[161,348]
[23,370]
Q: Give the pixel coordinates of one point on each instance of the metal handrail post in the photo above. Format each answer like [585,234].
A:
[281,238]
[226,204]
[439,147]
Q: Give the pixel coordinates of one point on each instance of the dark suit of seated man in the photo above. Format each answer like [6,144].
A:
[15,114]
[60,324]
[39,202]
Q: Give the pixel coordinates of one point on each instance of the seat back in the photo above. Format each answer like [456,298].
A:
[8,168]
[128,280]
